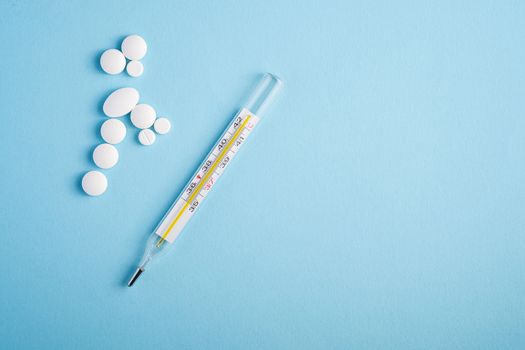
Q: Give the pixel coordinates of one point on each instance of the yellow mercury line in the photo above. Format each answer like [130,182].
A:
[204,179]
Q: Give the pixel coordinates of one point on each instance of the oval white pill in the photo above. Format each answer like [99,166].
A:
[105,156]
[94,183]
[134,47]
[147,137]
[162,126]
[113,131]
[112,61]
[143,116]
[135,68]
[120,102]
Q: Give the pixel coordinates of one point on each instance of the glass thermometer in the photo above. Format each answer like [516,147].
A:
[209,171]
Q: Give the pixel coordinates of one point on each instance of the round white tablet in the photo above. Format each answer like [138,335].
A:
[143,116]
[134,47]
[113,131]
[112,61]
[105,156]
[162,125]
[147,137]
[135,68]
[120,102]
[94,183]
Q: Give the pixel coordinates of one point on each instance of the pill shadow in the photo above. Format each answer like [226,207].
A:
[89,155]
[96,131]
[77,185]
[96,62]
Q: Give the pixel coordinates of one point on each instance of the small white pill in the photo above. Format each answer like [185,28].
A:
[113,131]
[94,183]
[135,68]
[134,47]
[105,156]
[112,61]
[143,116]
[120,102]
[162,125]
[147,137]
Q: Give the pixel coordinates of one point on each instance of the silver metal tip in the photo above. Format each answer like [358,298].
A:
[135,276]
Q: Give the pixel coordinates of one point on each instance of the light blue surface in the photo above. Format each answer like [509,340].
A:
[380,205]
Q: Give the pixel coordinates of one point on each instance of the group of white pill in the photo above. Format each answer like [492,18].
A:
[119,103]
[133,48]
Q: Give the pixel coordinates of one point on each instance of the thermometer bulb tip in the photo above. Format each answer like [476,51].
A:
[135,276]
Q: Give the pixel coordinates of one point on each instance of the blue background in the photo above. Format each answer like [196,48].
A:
[379,205]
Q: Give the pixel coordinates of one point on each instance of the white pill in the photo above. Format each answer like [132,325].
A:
[162,126]
[94,183]
[105,156]
[143,116]
[135,68]
[113,131]
[120,102]
[134,47]
[147,137]
[112,61]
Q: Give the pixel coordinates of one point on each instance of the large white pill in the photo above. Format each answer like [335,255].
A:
[113,131]
[135,68]
[120,102]
[162,126]
[143,116]
[112,61]
[147,137]
[134,47]
[94,183]
[105,156]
